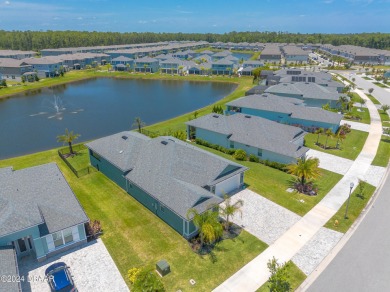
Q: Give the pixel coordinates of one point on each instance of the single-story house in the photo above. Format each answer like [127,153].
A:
[13,69]
[311,93]
[285,110]
[146,64]
[259,89]
[40,215]
[166,175]
[268,140]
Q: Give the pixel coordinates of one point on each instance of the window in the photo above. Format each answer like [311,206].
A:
[259,152]
[57,239]
[231,144]
[68,236]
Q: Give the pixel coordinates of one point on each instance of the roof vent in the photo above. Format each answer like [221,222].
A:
[164,142]
[171,140]
[121,151]
[248,117]
[124,137]
[215,116]
[284,84]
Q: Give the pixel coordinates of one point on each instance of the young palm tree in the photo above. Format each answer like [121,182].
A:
[138,123]
[229,209]
[69,137]
[328,134]
[342,101]
[319,132]
[340,135]
[305,169]
[362,102]
[385,108]
[210,229]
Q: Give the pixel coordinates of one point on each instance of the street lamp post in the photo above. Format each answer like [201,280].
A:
[351,185]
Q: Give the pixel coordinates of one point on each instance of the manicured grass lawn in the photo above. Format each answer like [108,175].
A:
[80,160]
[355,97]
[367,78]
[296,277]
[373,99]
[363,113]
[272,184]
[135,237]
[384,116]
[349,148]
[383,154]
[380,84]
[356,205]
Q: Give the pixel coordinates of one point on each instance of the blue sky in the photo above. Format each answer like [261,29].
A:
[216,16]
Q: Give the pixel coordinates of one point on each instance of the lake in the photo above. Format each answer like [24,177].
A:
[30,122]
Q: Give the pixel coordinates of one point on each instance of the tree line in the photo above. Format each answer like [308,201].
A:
[38,40]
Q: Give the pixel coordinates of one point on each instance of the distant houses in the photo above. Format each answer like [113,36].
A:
[266,139]
[166,175]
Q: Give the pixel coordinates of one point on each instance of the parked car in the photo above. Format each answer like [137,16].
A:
[59,278]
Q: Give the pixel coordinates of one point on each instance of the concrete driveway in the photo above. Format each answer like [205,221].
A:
[91,266]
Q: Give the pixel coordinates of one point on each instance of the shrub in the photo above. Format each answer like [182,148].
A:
[147,281]
[239,155]
[253,158]
[94,228]
[132,274]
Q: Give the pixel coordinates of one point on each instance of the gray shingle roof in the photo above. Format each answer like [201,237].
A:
[252,130]
[178,170]
[122,58]
[9,267]
[35,196]
[293,106]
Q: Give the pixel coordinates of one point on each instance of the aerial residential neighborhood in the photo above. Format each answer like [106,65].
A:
[160,147]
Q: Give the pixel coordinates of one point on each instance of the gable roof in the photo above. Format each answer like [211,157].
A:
[122,58]
[252,130]
[287,105]
[37,195]
[179,171]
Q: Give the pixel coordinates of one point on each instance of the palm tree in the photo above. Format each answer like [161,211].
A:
[210,229]
[328,134]
[229,209]
[319,132]
[69,137]
[350,105]
[340,135]
[305,169]
[385,108]
[138,123]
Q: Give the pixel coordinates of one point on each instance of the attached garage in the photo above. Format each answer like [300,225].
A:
[228,185]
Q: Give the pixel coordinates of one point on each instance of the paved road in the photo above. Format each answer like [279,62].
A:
[363,264]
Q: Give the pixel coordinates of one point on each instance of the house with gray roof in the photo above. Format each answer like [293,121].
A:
[39,213]
[122,63]
[166,175]
[312,94]
[223,67]
[252,63]
[285,110]
[266,139]
[9,268]
[45,66]
[146,64]
[199,69]
[13,69]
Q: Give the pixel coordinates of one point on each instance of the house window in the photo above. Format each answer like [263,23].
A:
[57,239]
[259,152]
[68,236]
[212,189]
[231,144]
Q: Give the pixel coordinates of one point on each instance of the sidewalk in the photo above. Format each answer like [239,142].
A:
[256,273]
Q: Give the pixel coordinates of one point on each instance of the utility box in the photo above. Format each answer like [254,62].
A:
[163,268]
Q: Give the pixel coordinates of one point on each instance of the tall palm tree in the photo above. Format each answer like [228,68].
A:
[342,101]
[229,209]
[319,131]
[305,169]
[138,123]
[210,229]
[328,134]
[340,135]
[68,137]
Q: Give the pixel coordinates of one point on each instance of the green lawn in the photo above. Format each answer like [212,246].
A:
[367,78]
[135,237]
[354,97]
[363,113]
[272,184]
[383,154]
[381,84]
[373,99]
[349,148]
[384,116]
[356,205]
[296,278]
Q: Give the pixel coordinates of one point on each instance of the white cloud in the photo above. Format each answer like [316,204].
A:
[142,21]
[79,18]
[7,3]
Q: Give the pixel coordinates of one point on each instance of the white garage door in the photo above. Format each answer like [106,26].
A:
[227,185]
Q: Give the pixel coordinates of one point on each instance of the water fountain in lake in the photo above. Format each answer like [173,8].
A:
[59,109]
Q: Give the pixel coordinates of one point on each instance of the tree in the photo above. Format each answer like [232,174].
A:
[69,137]
[23,77]
[342,101]
[305,169]
[3,83]
[217,109]
[147,281]
[279,278]
[328,134]
[385,108]
[319,132]
[370,90]
[139,124]
[229,209]
[362,102]
[340,135]
[210,229]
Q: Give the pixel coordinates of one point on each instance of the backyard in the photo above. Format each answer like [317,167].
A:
[349,147]
[135,237]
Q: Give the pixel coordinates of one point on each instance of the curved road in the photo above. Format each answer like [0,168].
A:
[363,264]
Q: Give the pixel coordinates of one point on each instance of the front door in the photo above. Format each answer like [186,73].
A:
[23,246]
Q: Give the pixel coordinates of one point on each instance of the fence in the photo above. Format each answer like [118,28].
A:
[78,172]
